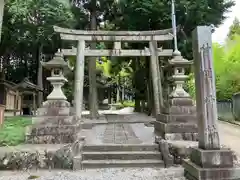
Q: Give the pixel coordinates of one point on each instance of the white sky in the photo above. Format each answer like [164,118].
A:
[221,32]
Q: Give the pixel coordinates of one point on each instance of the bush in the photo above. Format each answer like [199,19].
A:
[128,104]
[13,131]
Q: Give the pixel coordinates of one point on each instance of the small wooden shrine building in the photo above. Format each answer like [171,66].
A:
[18,99]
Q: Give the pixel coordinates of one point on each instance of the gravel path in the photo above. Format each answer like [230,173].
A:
[100,174]
[230,136]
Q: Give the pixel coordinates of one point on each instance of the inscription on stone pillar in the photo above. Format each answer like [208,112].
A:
[205,89]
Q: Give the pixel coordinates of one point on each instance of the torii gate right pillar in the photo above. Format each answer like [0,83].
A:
[209,161]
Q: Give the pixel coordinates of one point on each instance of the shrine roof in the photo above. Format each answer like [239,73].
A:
[26,85]
[7,83]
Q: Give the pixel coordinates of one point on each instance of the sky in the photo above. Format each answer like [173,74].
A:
[222,31]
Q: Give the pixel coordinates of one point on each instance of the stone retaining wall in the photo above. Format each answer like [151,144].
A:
[44,158]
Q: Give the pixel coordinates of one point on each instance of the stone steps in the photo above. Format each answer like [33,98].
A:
[121,163]
[121,147]
[122,155]
[114,155]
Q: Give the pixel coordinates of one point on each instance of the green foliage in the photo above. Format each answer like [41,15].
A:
[28,25]
[27,28]
[13,131]
[234,29]
[156,15]
[190,85]
[227,68]
[128,103]
[125,104]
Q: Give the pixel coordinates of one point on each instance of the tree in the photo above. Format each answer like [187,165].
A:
[29,27]
[234,29]
[156,15]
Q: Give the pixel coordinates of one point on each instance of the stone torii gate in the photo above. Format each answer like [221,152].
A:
[152,37]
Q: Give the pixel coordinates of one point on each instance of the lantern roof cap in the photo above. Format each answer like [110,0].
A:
[56,62]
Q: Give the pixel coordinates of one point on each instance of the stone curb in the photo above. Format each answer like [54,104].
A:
[229,122]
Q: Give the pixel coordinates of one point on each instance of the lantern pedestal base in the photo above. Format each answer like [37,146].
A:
[211,165]
[53,125]
[178,122]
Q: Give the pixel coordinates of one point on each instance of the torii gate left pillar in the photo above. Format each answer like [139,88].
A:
[79,79]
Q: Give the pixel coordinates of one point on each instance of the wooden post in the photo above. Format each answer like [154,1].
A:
[34,103]
[79,79]
[155,75]
[205,88]
[21,104]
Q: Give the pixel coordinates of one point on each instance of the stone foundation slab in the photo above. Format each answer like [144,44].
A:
[172,118]
[194,172]
[181,102]
[180,110]
[52,130]
[54,108]
[222,158]
[176,127]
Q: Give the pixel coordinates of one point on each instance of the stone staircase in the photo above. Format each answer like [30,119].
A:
[127,155]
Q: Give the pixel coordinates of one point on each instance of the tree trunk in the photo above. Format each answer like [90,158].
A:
[123,90]
[118,89]
[93,99]
[40,74]
[137,98]
[1,16]
[109,95]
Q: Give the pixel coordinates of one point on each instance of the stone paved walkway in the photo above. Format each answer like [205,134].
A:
[120,134]
[122,129]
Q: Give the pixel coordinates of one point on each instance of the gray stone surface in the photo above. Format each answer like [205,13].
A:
[126,130]
[208,160]
[175,173]
[121,155]
[52,130]
[222,158]
[120,134]
[236,105]
[45,156]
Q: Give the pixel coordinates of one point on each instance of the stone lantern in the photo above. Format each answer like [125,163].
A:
[57,66]
[179,64]
[54,123]
[56,99]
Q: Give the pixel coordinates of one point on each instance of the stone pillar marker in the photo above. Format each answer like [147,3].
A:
[209,161]
[205,90]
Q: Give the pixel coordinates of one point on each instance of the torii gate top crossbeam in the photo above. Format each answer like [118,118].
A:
[70,34]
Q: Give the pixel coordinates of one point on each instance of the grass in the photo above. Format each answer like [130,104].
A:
[125,104]
[12,132]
